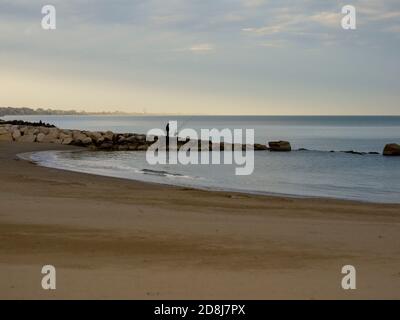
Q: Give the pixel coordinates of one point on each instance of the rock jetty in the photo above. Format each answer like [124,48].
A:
[20,131]
[95,140]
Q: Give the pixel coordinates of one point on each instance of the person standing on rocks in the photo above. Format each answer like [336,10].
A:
[167,129]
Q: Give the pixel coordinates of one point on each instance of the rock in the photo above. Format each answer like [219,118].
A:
[63,135]
[23,129]
[131,139]
[392,149]
[79,137]
[16,134]
[3,130]
[32,131]
[6,137]
[354,152]
[44,130]
[100,140]
[140,137]
[40,137]
[107,145]
[373,152]
[49,139]
[55,132]
[95,136]
[280,146]
[133,147]
[68,140]
[108,136]
[260,147]
[121,139]
[76,133]
[52,135]
[27,138]
[87,141]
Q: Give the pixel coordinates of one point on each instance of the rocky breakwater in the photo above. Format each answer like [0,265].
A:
[20,131]
[94,140]
[109,141]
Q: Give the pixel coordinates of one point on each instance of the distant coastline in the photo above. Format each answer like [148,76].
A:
[10,111]
[23,111]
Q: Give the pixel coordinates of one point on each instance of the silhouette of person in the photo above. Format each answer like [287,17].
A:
[167,128]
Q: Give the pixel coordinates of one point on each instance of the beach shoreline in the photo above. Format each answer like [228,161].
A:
[27,157]
[119,238]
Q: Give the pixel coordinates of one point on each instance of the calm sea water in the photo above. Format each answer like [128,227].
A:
[300,173]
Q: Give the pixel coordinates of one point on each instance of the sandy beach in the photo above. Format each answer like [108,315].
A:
[112,238]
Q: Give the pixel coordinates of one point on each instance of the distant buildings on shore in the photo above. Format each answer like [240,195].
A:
[10,111]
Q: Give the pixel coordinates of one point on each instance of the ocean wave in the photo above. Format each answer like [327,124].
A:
[162,173]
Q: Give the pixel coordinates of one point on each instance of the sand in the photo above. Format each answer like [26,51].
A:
[112,238]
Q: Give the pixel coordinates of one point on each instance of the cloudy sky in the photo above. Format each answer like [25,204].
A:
[202,56]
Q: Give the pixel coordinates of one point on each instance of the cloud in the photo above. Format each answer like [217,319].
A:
[136,41]
[326,18]
[297,23]
[253,3]
[168,19]
[197,48]
[233,17]
[277,44]
[267,30]
[383,16]
[202,48]
[393,29]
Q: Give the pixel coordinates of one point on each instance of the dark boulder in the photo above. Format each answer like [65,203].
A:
[260,147]
[354,152]
[280,146]
[392,149]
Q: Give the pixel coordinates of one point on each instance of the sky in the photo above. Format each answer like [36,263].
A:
[257,57]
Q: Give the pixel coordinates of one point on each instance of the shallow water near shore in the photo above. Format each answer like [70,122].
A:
[371,178]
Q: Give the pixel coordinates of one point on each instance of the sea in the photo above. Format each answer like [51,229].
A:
[311,170]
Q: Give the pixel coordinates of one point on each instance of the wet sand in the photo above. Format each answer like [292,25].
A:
[112,238]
